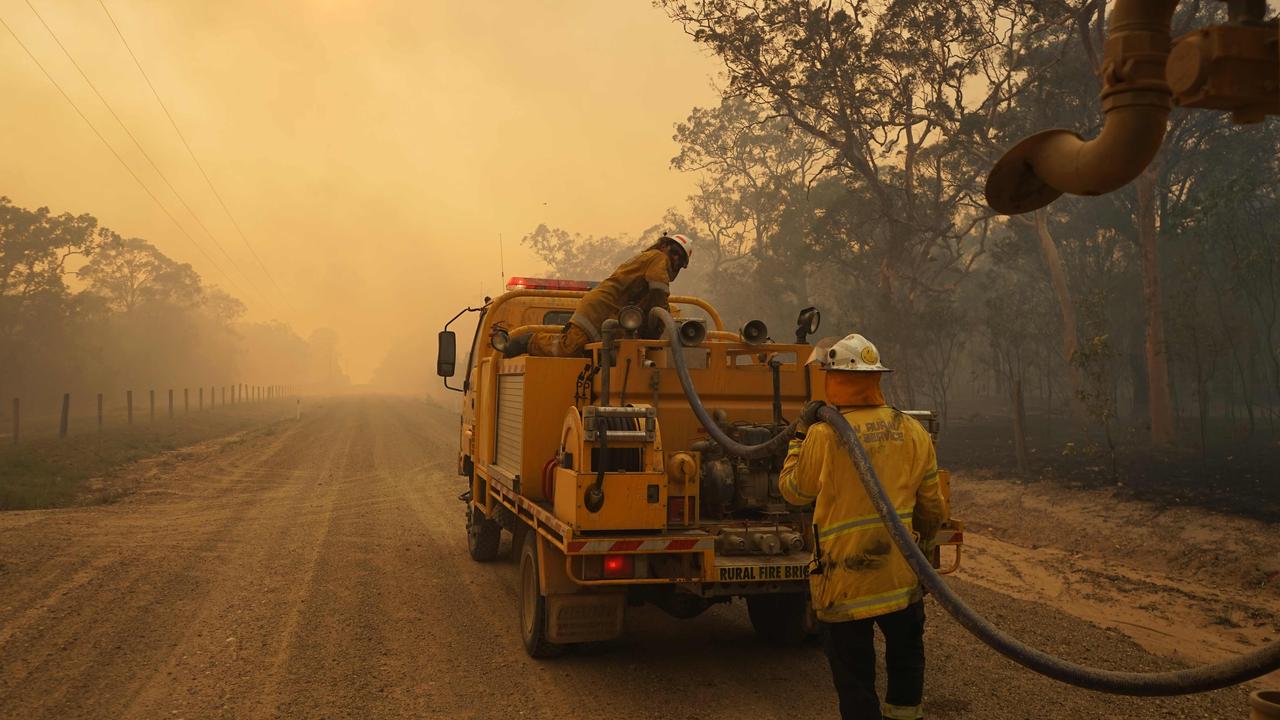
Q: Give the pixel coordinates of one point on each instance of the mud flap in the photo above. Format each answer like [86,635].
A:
[585,617]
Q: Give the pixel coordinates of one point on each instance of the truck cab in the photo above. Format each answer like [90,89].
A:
[612,491]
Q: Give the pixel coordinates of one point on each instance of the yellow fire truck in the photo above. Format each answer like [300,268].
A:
[612,490]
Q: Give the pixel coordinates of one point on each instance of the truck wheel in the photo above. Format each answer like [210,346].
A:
[533,606]
[483,536]
[781,619]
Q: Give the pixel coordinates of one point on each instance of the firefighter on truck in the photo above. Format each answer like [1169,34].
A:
[643,281]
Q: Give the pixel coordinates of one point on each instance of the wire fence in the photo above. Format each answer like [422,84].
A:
[93,413]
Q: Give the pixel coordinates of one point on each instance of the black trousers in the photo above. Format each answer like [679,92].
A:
[850,648]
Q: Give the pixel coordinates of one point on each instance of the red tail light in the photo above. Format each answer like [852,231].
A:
[617,567]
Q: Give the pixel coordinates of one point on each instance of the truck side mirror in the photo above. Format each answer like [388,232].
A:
[447,355]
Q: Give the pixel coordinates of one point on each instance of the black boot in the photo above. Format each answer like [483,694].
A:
[518,345]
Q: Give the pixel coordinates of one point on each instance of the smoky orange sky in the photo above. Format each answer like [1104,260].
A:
[373,152]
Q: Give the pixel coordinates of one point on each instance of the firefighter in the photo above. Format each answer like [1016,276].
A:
[859,579]
[644,280]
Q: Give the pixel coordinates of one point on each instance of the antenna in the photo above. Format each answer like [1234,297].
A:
[502,265]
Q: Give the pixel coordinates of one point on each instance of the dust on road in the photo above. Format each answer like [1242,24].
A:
[318,568]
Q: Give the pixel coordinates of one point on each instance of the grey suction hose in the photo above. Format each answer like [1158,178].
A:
[1178,682]
[730,446]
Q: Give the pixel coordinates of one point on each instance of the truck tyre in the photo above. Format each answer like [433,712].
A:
[533,605]
[781,619]
[483,536]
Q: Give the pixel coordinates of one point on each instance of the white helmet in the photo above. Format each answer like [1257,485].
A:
[854,354]
[682,242]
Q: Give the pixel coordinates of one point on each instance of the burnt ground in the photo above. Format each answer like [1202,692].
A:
[1236,474]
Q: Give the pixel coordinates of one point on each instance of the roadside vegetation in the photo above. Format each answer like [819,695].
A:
[46,471]
[84,310]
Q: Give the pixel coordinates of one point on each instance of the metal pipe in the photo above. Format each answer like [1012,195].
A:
[608,332]
[700,304]
[1135,99]
[776,366]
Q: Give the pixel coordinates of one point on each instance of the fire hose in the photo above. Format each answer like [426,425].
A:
[1178,682]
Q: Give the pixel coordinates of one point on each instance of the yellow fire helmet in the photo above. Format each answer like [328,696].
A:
[854,354]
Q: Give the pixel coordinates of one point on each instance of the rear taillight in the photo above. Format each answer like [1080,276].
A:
[617,567]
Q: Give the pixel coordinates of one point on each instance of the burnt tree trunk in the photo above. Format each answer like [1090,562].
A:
[1159,406]
[1019,424]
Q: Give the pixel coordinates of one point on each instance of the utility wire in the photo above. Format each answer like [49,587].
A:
[116,154]
[192,153]
[145,155]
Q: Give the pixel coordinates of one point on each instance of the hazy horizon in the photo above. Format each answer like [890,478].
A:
[362,147]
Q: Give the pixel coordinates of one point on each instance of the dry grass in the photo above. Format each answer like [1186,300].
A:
[45,472]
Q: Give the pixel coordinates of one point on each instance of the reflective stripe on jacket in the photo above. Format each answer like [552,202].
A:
[863,574]
[630,284]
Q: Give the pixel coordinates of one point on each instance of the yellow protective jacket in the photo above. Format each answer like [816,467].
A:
[863,573]
[638,281]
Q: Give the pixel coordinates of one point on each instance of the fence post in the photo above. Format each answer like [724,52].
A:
[224,394]
[152,405]
[66,410]
[170,403]
[15,421]
[200,406]
[128,401]
[186,400]
[99,412]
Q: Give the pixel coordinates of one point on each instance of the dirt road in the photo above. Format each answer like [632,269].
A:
[318,568]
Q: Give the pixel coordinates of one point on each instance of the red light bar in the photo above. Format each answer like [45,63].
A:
[529,283]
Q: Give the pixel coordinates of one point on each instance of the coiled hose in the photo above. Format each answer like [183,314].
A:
[1178,682]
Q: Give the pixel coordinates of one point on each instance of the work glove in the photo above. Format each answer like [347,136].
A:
[809,415]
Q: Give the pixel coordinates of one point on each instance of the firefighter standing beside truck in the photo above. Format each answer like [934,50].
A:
[644,280]
[859,579]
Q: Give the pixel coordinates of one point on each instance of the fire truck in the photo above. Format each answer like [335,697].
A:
[612,491]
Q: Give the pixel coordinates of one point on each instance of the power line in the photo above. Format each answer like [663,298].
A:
[128,169]
[191,152]
[145,155]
